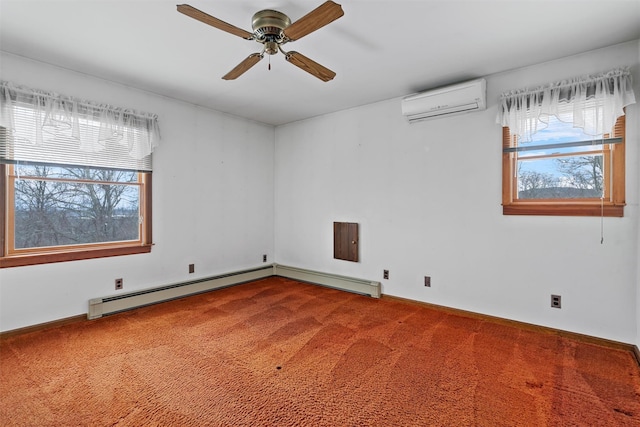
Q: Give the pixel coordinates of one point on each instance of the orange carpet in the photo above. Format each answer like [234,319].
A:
[282,353]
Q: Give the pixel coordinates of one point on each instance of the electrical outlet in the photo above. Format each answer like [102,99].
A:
[556,301]
[427,281]
[192,268]
[385,274]
[264,258]
[119,284]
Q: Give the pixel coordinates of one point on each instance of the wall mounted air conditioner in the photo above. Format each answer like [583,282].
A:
[455,99]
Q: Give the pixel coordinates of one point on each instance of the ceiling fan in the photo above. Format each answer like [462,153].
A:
[273,29]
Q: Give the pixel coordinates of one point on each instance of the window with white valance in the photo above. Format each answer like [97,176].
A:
[46,127]
[592,103]
[563,146]
[75,178]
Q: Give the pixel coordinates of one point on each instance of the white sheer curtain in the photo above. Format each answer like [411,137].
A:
[49,127]
[592,103]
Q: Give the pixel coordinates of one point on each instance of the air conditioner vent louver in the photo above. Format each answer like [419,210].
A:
[455,99]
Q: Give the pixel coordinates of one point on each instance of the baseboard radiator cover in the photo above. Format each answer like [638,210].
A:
[350,284]
[99,307]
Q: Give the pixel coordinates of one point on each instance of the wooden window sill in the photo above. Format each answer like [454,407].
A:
[563,209]
[47,258]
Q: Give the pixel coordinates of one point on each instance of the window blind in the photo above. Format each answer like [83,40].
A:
[48,128]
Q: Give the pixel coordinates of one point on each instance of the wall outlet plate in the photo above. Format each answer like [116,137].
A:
[192,268]
[385,274]
[119,284]
[427,281]
[556,301]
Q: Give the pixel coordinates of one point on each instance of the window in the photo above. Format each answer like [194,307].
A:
[75,178]
[563,147]
[562,171]
[58,213]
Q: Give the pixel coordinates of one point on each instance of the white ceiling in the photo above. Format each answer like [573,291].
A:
[380,49]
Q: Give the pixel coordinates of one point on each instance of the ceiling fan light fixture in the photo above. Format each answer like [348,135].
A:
[271,48]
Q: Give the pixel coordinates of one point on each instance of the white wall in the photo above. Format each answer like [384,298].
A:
[427,197]
[637,342]
[212,203]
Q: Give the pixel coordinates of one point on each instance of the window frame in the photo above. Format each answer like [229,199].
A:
[9,258]
[614,184]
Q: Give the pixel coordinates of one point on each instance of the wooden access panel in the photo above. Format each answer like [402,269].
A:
[345,241]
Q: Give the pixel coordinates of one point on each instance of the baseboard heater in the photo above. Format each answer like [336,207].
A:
[361,286]
[99,307]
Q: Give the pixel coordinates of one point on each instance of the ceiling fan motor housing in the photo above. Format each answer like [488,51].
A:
[268,27]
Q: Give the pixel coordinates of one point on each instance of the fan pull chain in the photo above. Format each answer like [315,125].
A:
[269,67]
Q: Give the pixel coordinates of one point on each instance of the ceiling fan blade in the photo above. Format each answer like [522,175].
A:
[214,22]
[242,67]
[324,14]
[310,66]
